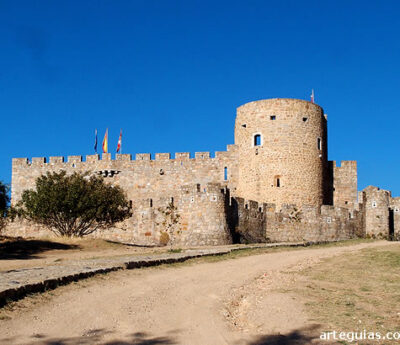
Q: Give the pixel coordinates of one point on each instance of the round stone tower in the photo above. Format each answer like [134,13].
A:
[282,147]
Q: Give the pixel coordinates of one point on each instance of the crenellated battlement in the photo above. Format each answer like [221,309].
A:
[139,157]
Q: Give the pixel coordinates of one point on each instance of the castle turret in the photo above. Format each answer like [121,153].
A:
[282,147]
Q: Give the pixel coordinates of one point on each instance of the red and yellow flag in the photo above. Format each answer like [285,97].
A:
[105,142]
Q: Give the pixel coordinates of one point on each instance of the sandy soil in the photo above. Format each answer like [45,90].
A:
[225,302]
[38,253]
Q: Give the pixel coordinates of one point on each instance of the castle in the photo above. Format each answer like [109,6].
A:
[274,184]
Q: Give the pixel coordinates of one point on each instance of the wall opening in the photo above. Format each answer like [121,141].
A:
[225,174]
[277,181]
[391,225]
[244,125]
[305,119]
[151,202]
[257,140]
[273,117]
[319,143]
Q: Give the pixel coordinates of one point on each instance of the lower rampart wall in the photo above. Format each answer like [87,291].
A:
[195,216]
[207,215]
[264,223]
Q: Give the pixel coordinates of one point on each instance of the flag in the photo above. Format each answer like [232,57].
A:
[312,96]
[95,140]
[119,141]
[105,142]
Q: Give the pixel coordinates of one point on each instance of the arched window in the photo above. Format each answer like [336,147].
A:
[257,140]
[277,181]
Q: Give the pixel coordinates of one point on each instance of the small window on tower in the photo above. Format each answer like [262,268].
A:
[273,117]
[257,140]
[305,119]
[244,125]
[319,144]
[225,174]
[277,181]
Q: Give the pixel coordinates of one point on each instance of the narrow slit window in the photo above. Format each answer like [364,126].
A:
[277,181]
[151,202]
[225,174]
[257,140]
[319,144]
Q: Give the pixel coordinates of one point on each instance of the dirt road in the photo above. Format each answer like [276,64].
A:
[225,302]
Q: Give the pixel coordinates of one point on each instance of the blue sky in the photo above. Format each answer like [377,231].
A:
[171,74]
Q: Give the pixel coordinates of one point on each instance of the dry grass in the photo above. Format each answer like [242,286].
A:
[356,291]
[246,251]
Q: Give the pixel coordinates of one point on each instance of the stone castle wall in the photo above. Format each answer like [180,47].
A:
[345,184]
[200,219]
[289,165]
[375,207]
[209,215]
[142,178]
[310,223]
[240,195]
[381,213]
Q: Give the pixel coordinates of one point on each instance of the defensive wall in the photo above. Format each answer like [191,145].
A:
[209,215]
[381,213]
[247,193]
[141,178]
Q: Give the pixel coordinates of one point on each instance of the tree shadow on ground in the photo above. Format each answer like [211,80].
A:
[94,337]
[23,249]
[302,336]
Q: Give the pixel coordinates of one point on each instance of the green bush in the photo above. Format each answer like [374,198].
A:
[73,205]
[4,200]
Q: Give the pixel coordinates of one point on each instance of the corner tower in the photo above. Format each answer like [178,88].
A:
[282,147]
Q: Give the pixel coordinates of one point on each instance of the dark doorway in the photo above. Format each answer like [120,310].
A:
[391,225]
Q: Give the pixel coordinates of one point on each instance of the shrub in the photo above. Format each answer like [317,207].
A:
[170,224]
[164,238]
[73,205]
[4,200]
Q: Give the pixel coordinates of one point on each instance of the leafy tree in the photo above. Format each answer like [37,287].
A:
[4,200]
[73,205]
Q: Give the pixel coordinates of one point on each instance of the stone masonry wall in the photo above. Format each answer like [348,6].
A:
[292,149]
[375,208]
[231,197]
[200,220]
[345,184]
[394,217]
[142,178]
[309,223]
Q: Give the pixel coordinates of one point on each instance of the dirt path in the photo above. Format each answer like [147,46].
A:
[226,302]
